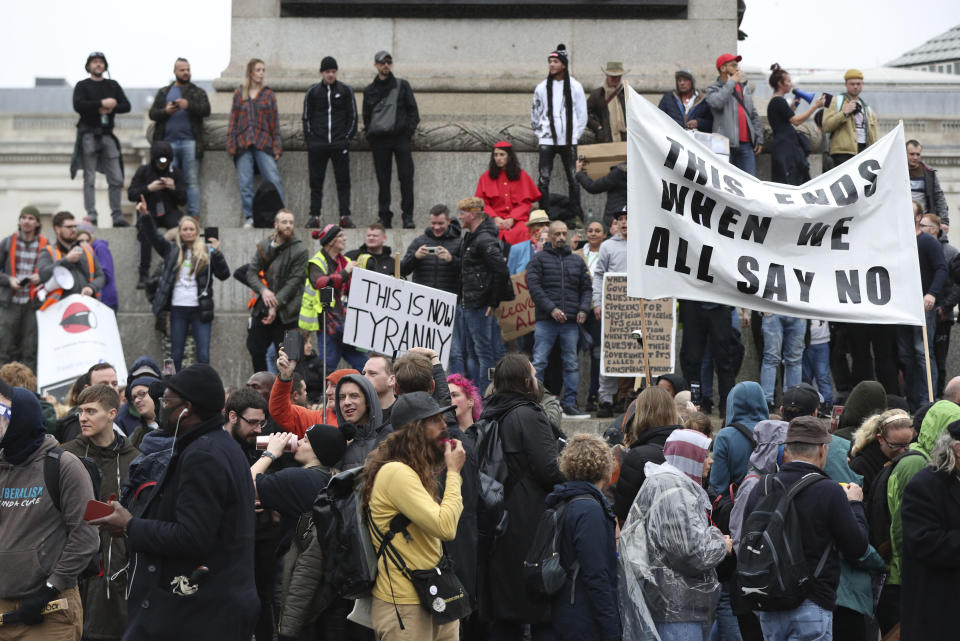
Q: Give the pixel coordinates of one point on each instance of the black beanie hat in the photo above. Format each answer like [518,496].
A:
[328,234]
[201,385]
[26,430]
[328,443]
[561,53]
[328,63]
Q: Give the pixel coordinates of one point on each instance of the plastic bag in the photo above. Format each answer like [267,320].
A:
[632,566]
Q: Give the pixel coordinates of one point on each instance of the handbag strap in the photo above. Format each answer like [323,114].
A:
[398,523]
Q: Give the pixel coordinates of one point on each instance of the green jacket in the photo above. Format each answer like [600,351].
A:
[843,130]
[105,599]
[286,267]
[934,425]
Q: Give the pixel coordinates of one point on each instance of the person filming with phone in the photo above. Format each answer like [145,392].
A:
[185,287]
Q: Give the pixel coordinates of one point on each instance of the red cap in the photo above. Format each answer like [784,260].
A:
[503,144]
[725,58]
[335,376]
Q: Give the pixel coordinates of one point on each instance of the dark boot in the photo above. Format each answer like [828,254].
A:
[386,219]
[408,222]
[118,222]
[605,410]
[142,281]
[346,223]
[313,222]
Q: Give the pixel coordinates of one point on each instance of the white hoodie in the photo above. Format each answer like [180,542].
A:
[540,119]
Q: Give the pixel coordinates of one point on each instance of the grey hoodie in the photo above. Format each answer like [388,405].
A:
[770,436]
[371,433]
[612,258]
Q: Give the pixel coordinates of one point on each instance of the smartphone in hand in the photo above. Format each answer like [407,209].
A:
[293,344]
[97,510]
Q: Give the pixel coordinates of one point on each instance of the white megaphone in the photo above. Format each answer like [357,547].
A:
[62,278]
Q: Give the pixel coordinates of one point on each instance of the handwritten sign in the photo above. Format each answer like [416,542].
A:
[620,353]
[517,317]
[390,315]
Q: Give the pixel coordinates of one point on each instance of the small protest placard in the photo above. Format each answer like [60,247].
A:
[517,317]
[620,353]
[390,315]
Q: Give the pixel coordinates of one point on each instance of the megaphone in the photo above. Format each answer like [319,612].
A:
[806,95]
[62,278]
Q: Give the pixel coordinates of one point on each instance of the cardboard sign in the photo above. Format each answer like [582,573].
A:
[620,353]
[389,315]
[517,317]
[77,332]
[601,157]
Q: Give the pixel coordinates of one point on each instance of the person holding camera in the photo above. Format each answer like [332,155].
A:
[850,121]
[185,288]
[328,278]
[162,187]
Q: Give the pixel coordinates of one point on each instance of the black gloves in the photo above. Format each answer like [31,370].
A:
[33,604]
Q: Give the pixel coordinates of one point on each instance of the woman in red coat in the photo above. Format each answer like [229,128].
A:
[508,193]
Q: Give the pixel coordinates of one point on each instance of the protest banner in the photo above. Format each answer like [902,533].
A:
[389,315]
[840,247]
[75,333]
[620,353]
[517,317]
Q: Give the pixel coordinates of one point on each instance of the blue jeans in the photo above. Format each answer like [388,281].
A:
[782,335]
[684,631]
[268,170]
[480,351]
[185,157]
[725,627]
[182,318]
[544,336]
[816,367]
[337,349]
[910,348]
[457,363]
[809,622]
[742,156]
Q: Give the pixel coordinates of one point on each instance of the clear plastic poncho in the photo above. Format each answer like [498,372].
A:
[668,551]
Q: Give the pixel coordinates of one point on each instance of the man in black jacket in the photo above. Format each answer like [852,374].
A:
[193,546]
[329,122]
[163,191]
[561,288]
[614,184]
[433,257]
[831,519]
[98,100]
[484,284]
[178,111]
[373,254]
[390,118]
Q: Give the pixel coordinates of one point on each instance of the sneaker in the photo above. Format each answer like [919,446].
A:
[248,223]
[572,411]
[346,223]
[314,222]
[142,282]
[605,410]
[591,405]
[119,222]
[90,220]
[408,222]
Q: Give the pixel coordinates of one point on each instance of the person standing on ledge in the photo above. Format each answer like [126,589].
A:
[390,118]
[607,106]
[329,122]
[734,115]
[558,118]
[98,100]
[850,121]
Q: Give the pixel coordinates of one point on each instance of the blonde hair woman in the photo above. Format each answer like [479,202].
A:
[881,438]
[185,287]
[253,135]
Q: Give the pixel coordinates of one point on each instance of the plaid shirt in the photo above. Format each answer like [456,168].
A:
[27,254]
[254,123]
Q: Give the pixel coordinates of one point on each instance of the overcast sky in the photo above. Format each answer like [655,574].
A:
[141,39]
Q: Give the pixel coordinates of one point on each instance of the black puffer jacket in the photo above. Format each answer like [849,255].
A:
[329,116]
[170,250]
[558,278]
[431,270]
[172,199]
[647,448]
[484,277]
[382,263]
[530,449]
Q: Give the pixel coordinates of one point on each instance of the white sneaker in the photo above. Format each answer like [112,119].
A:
[248,225]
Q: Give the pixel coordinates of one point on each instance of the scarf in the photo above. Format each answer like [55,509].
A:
[618,121]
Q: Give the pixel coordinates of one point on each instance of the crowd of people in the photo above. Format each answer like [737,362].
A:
[181,506]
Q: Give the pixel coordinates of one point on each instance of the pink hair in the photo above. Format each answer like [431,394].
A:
[469,390]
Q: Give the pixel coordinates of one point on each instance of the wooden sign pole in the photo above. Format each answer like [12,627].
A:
[643,346]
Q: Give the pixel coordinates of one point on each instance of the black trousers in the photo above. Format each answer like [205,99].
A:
[941,347]
[260,337]
[700,326]
[317,158]
[384,152]
[144,245]
[568,156]
[882,364]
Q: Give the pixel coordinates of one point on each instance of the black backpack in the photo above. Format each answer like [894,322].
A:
[772,573]
[878,510]
[349,558]
[51,478]
[492,468]
[543,574]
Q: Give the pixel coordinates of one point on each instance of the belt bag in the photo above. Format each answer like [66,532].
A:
[439,590]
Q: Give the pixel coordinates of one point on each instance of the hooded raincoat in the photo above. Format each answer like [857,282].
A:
[746,405]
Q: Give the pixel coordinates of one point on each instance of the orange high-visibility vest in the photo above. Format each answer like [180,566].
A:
[55,253]
[42,244]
